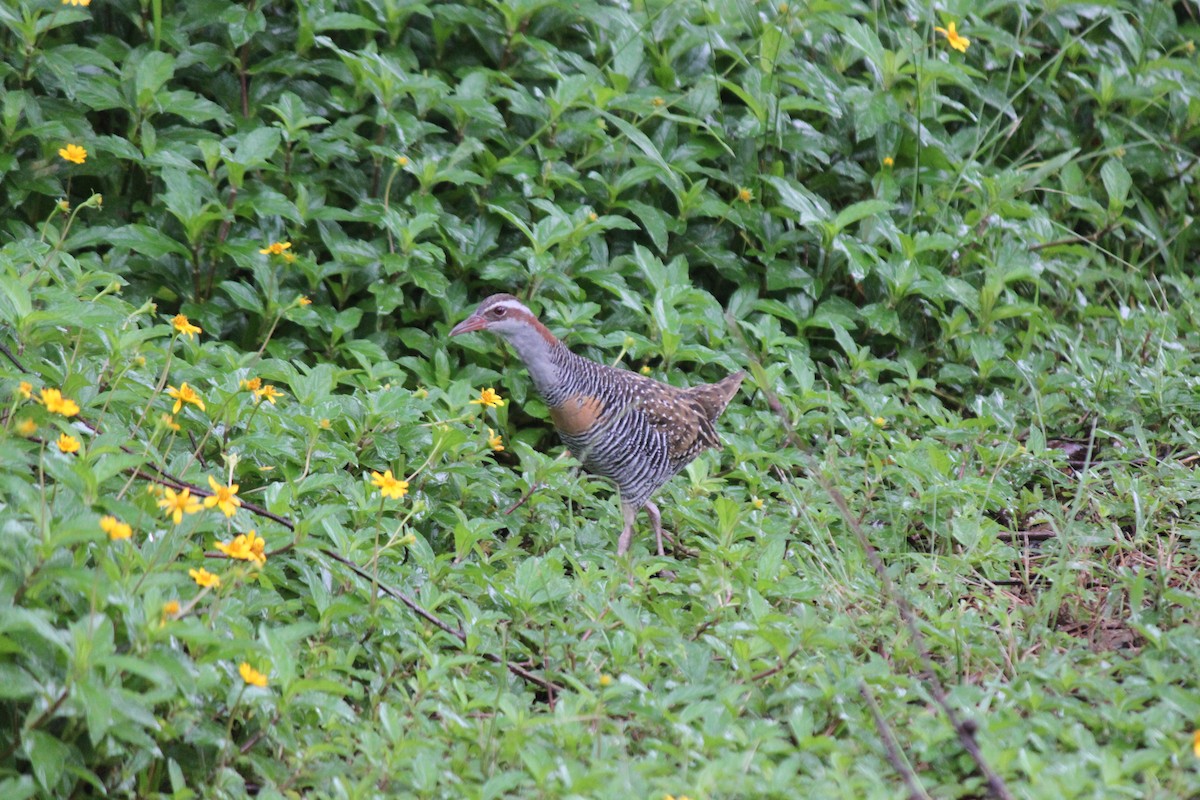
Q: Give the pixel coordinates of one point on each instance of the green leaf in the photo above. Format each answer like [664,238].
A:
[15,301]
[653,220]
[146,240]
[773,48]
[1117,182]
[257,147]
[242,296]
[664,172]
[96,701]
[810,208]
[154,70]
[342,21]
[48,758]
[194,108]
[16,683]
[859,211]
[865,41]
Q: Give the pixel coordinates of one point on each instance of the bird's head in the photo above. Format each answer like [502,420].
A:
[502,314]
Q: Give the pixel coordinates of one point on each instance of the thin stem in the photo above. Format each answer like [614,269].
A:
[387,196]
[162,382]
[270,333]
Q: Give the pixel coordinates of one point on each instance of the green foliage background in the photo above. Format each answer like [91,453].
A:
[964,281]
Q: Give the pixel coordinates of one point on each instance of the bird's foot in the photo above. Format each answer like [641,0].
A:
[660,534]
[680,549]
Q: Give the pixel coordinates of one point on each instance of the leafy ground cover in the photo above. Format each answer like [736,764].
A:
[260,522]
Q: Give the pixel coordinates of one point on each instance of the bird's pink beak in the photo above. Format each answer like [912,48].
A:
[471,323]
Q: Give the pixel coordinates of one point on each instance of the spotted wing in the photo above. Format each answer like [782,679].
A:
[679,418]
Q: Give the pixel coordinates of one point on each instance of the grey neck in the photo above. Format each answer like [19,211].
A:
[538,355]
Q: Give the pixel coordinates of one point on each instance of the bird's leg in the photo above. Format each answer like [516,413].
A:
[628,512]
[660,534]
[656,521]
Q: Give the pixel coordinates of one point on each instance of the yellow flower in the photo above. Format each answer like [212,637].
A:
[495,441]
[389,485]
[252,385]
[889,162]
[646,369]
[73,153]
[879,422]
[184,325]
[84,3]
[176,505]
[204,578]
[1196,743]
[276,248]
[27,427]
[170,609]
[593,216]
[757,502]
[252,676]
[169,421]
[54,402]
[606,680]
[25,389]
[658,102]
[401,161]
[184,394]
[956,42]
[234,549]
[489,398]
[409,539]
[783,8]
[745,195]
[115,528]
[324,424]
[67,443]
[247,547]
[257,547]
[267,392]
[63,205]
[223,497]
[303,300]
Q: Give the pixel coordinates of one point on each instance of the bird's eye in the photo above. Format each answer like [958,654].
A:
[498,312]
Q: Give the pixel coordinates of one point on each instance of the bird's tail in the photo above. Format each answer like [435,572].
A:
[713,397]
